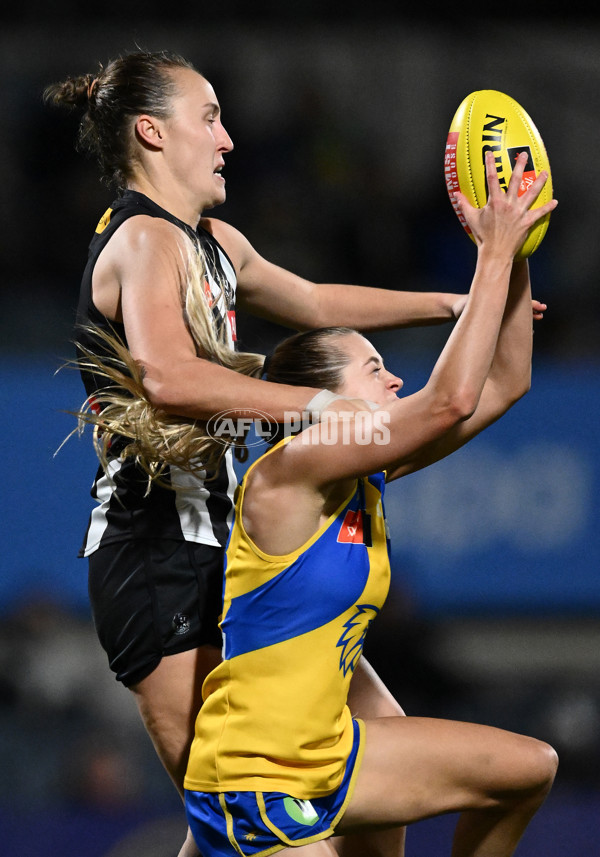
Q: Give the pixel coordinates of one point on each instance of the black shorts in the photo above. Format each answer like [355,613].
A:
[154,598]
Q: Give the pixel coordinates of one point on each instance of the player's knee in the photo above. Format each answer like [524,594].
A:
[548,765]
[541,763]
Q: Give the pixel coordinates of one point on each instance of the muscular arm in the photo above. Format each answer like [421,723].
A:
[509,377]
[270,292]
[308,478]
[491,333]
[138,279]
[417,421]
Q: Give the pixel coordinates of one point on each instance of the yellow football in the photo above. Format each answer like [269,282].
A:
[488,120]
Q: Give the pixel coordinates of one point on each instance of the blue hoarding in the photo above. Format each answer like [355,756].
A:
[508,523]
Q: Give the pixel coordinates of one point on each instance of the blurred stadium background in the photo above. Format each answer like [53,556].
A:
[339,120]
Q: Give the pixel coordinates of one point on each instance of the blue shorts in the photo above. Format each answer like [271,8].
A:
[255,824]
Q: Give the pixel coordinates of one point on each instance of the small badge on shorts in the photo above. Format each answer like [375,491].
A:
[181,623]
[301,811]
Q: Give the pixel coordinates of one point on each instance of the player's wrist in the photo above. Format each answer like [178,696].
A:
[323,400]
[320,402]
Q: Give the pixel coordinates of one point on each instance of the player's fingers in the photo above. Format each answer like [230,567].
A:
[535,189]
[458,197]
[535,214]
[461,203]
[491,175]
[538,309]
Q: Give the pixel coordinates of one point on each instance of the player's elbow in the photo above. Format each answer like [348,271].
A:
[161,396]
[461,404]
[446,412]
[525,384]
[519,387]
[314,317]
[446,408]
[181,390]
[165,392]
[520,391]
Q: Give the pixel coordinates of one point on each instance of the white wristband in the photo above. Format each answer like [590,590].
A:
[320,402]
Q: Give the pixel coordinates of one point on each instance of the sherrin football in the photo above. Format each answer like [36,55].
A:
[490,120]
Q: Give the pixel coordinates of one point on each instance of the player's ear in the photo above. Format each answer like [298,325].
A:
[149,130]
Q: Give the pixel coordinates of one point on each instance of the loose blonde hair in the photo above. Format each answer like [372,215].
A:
[121,409]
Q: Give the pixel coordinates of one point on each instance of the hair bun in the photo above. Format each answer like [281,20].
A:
[92,87]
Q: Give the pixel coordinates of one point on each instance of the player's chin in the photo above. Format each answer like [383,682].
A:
[383,401]
[217,192]
[217,199]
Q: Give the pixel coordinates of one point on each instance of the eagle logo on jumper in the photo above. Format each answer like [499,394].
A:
[355,631]
[301,811]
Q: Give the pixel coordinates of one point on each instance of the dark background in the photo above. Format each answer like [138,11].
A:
[339,115]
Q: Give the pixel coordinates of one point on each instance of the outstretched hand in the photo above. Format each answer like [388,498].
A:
[504,221]
[537,307]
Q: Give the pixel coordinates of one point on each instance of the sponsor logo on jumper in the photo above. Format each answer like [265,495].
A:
[94,405]
[356,528]
[104,221]
[232,324]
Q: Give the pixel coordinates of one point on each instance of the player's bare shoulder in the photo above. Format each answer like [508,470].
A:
[149,248]
[145,254]
[235,244]
[148,235]
[132,248]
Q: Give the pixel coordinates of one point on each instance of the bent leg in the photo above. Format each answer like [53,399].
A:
[324,848]
[415,768]
[368,699]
